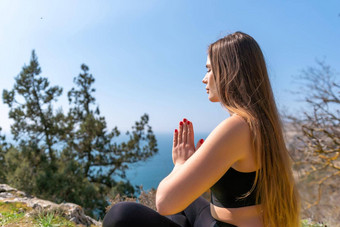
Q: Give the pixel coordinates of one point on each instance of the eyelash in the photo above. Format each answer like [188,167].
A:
[208,70]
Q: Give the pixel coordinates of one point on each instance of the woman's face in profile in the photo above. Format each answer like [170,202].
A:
[210,83]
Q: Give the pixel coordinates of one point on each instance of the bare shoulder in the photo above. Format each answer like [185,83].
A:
[234,127]
[232,136]
[242,140]
[235,122]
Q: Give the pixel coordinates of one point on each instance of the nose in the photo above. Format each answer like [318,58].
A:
[205,79]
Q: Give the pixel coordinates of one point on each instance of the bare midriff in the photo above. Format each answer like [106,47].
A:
[249,216]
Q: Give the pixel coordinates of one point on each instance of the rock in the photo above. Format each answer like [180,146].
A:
[75,213]
[8,191]
[71,211]
[6,188]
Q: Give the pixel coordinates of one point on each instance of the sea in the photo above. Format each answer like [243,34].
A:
[150,173]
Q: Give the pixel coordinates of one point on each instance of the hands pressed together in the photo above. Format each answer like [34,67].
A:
[183,143]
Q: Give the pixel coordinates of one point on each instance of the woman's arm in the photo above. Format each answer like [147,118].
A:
[189,179]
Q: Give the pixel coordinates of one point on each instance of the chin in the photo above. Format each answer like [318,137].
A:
[213,99]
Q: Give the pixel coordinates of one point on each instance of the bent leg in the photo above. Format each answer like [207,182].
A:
[198,213]
[180,219]
[129,214]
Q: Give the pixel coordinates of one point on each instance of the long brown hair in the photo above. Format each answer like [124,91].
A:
[243,87]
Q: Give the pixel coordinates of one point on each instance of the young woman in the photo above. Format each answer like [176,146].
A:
[244,160]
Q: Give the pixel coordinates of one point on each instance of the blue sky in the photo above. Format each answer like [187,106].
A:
[149,56]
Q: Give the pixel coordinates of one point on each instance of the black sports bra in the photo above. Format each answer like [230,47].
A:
[232,185]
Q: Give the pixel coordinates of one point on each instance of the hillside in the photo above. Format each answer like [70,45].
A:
[19,209]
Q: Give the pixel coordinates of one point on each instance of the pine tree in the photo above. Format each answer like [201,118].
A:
[102,158]
[68,157]
[35,123]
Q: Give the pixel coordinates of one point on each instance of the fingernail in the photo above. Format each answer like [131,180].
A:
[201,141]
[185,120]
[181,123]
[176,130]
[188,122]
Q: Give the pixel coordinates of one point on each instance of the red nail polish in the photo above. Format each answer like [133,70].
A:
[201,141]
[188,122]
[185,120]
[176,130]
[181,123]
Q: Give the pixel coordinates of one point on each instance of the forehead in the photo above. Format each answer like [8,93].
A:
[208,60]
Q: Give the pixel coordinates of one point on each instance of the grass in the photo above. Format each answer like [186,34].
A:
[51,219]
[7,218]
[310,223]
[14,215]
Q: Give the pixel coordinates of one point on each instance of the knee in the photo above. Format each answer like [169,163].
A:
[119,215]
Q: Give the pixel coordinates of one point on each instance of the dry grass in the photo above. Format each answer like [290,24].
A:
[146,198]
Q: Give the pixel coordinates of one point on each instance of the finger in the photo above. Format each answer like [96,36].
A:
[199,144]
[190,137]
[180,132]
[185,131]
[175,142]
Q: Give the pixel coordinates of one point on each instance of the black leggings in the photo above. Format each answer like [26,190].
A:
[130,214]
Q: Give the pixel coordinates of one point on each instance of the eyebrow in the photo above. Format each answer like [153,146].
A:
[208,66]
